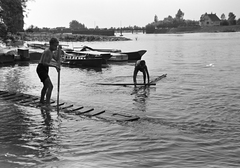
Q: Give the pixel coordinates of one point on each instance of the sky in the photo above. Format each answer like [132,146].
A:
[120,13]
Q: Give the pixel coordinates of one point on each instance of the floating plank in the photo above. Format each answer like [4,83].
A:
[3,93]
[73,110]
[20,98]
[31,99]
[60,104]
[13,97]
[125,84]
[122,114]
[67,107]
[87,111]
[117,119]
[9,94]
[95,114]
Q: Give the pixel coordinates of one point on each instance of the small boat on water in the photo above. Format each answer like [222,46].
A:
[133,55]
[118,57]
[90,54]
[82,60]
[7,55]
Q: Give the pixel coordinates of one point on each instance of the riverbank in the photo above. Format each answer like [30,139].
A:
[198,29]
[70,37]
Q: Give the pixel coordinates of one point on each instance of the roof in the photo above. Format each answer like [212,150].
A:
[213,17]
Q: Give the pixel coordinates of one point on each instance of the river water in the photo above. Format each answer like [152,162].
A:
[191,118]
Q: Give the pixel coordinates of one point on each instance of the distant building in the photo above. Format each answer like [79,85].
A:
[209,20]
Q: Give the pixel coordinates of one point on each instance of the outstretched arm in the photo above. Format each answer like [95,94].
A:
[135,76]
[146,69]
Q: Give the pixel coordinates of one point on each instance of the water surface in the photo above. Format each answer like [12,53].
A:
[189,119]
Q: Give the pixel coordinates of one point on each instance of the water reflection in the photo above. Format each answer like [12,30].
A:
[14,80]
[140,98]
[47,118]
[97,69]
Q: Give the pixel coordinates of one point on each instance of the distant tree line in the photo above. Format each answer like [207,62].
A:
[231,20]
[172,22]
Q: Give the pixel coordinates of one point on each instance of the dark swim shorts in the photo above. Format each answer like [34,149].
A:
[42,71]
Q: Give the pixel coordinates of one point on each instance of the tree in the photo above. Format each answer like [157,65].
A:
[223,17]
[179,15]
[12,14]
[155,19]
[74,25]
[150,28]
[238,21]
[231,19]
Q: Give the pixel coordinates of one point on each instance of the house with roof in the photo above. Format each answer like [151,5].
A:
[209,20]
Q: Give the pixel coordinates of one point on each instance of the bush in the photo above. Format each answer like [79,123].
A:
[224,23]
[238,21]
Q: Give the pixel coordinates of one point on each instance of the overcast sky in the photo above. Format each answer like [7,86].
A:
[117,13]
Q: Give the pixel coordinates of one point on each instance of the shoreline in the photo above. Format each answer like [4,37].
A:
[198,29]
[68,37]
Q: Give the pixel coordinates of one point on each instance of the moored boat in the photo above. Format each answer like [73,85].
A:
[105,56]
[118,57]
[133,55]
[7,55]
[82,60]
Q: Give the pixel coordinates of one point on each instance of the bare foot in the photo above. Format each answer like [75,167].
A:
[47,107]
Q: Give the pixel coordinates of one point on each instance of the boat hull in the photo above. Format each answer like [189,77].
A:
[82,61]
[118,57]
[6,58]
[135,55]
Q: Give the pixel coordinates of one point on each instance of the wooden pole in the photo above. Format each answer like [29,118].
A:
[58,87]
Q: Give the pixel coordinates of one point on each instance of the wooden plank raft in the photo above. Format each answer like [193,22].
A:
[125,84]
[151,82]
[33,101]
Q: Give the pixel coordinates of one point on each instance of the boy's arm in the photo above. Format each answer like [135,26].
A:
[56,55]
[147,74]
[135,76]
[47,60]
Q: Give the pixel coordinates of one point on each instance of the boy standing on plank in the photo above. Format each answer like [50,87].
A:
[43,69]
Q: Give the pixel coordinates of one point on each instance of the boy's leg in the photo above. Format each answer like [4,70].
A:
[49,90]
[43,93]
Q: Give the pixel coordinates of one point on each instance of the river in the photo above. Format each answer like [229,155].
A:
[191,118]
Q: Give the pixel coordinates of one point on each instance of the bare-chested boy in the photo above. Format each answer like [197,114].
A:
[43,68]
[140,65]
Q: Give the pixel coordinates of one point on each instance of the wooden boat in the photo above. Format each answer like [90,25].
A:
[118,57]
[7,55]
[91,54]
[134,55]
[82,60]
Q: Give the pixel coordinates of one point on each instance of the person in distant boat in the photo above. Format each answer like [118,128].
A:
[140,65]
[43,68]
